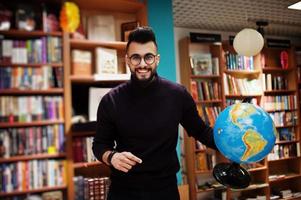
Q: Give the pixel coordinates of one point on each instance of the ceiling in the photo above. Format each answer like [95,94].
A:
[233,15]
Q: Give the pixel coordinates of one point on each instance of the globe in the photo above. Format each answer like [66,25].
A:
[244,133]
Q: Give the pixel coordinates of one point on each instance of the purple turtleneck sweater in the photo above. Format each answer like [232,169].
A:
[144,120]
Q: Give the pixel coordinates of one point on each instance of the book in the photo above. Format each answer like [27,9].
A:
[95,96]
[201,64]
[81,62]
[106,61]
[101,28]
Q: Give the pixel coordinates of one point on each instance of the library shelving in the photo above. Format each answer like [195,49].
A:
[205,85]
[262,79]
[32,113]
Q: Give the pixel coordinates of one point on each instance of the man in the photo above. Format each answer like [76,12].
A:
[137,126]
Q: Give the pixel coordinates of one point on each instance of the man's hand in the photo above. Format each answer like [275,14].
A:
[124,161]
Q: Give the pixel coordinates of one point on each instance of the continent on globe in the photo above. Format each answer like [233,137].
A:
[254,142]
[240,111]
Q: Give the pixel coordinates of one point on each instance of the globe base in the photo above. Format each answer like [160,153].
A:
[232,175]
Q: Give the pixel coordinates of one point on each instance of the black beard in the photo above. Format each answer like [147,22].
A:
[143,82]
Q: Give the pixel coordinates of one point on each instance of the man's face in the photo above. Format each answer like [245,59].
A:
[142,59]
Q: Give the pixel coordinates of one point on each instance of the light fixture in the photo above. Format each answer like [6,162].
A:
[296,6]
[248,42]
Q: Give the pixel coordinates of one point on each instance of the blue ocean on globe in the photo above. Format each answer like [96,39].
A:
[244,133]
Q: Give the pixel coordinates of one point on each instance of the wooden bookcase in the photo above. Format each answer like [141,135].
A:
[16,73]
[188,50]
[267,62]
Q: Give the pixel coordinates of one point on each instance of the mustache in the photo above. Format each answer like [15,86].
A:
[147,68]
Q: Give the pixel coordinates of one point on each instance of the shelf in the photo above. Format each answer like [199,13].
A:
[6,64]
[200,150]
[286,142]
[26,124]
[252,187]
[32,157]
[275,69]
[209,101]
[204,76]
[76,43]
[31,92]
[281,110]
[286,126]
[39,190]
[286,177]
[117,5]
[239,96]
[28,34]
[283,159]
[203,172]
[86,164]
[221,187]
[243,73]
[83,133]
[91,79]
[256,169]
[275,92]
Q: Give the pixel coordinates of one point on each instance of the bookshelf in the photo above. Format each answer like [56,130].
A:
[278,96]
[79,170]
[32,110]
[209,103]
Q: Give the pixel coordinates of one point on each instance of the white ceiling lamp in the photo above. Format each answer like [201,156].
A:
[248,42]
[296,6]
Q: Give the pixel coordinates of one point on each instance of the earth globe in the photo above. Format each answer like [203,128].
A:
[243,133]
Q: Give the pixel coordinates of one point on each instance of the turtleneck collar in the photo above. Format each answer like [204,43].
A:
[143,86]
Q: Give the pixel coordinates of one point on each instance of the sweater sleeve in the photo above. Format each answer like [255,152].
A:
[105,129]
[193,123]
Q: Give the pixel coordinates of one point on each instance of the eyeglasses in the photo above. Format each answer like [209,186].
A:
[148,58]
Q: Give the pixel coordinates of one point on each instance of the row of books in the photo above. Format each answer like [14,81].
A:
[204,64]
[31,108]
[209,113]
[271,82]
[32,78]
[241,86]
[274,103]
[238,62]
[33,174]
[278,193]
[284,118]
[205,161]
[284,151]
[43,50]
[91,188]
[52,195]
[33,140]
[204,90]
[82,149]
[286,134]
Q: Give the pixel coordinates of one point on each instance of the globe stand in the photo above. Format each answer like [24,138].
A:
[232,175]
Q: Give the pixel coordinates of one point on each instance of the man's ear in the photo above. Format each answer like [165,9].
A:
[158,59]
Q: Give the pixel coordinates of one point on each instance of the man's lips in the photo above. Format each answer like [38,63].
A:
[142,70]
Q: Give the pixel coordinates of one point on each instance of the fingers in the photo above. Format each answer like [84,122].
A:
[132,157]
[124,161]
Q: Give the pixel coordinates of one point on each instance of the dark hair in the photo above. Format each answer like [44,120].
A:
[141,35]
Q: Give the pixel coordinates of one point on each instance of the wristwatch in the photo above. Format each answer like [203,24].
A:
[110,157]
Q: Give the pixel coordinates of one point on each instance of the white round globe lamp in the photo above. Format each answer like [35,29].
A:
[248,42]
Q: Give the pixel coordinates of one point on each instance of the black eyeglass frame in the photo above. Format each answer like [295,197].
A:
[144,58]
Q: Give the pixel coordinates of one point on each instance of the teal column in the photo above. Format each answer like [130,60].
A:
[161,20]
